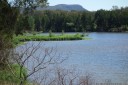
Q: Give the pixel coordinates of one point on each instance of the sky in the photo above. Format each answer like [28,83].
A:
[92,5]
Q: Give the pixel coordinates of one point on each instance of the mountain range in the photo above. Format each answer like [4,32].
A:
[64,7]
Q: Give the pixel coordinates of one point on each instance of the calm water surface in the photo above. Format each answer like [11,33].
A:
[105,56]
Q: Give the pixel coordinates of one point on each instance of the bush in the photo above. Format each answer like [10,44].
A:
[62,32]
[50,33]
[8,76]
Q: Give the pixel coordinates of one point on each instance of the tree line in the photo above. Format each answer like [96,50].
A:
[114,20]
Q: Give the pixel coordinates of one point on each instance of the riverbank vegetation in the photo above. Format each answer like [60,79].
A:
[24,38]
[12,74]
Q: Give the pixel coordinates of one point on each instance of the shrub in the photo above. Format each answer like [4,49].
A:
[62,32]
[50,33]
[12,76]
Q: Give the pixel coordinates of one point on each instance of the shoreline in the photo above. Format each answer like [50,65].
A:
[65,37]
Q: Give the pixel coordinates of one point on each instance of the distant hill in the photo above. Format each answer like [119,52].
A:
[64,7]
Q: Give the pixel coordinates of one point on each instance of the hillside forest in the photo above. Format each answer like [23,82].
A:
[114,20]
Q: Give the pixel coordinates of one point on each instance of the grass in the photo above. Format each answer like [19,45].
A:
[10,83]
[7,77]
[48,38]
[22,38]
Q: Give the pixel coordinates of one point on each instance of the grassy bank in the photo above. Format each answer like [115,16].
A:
[22,38]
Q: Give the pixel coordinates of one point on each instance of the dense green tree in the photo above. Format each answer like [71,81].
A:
[27,8]
[8,17]
[31,21]
[19,25]
[12,17]
[37,23]
[100,19]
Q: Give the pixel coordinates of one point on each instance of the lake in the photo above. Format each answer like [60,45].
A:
[104,56]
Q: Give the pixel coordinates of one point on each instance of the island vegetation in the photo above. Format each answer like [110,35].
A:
[14,22]
[49,38]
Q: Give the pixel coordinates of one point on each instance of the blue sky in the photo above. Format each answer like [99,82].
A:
[92,5]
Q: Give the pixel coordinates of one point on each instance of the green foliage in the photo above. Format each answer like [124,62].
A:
[15,42]
[31,21]
[19,25]
[111,20]
[12,22]
[59,20]
[94,26]
[34,33]
[48,38]
[31,4]
[62,32]
[26,21]
[50,33]
[8,18]
[101,20]
[12,76]
[124,27]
